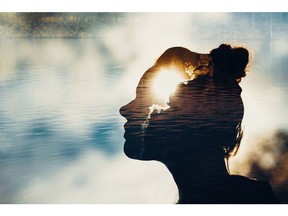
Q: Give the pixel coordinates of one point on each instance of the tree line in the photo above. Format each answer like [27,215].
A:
[56,24]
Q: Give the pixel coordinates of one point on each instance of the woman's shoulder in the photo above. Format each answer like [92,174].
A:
[247,179]
[255,190]
[238,179]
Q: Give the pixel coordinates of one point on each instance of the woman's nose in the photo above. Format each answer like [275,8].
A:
[134,110]
[124,111]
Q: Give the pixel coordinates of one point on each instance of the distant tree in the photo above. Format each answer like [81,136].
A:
[10,24]
[30,24]
[90,23]
[73,23]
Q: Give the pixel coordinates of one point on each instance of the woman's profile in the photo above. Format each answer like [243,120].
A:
[187,114]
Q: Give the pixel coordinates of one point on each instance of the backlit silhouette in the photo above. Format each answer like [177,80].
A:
[187,114]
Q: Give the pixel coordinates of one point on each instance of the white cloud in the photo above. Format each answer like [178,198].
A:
[280,47]
[264,115]
[97,178]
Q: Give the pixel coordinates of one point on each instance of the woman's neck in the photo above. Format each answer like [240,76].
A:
[198,171]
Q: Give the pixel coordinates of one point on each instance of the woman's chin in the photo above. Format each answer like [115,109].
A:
[133,150]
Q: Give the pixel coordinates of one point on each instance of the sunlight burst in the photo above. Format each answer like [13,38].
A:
[166,83]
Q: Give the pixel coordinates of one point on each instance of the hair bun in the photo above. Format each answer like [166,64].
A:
[238,60]
[229,62]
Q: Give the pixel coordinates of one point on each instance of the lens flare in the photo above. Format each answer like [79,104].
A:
[166,83]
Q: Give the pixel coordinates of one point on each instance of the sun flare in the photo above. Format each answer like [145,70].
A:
[165,84]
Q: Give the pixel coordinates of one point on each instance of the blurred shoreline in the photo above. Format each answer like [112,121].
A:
[55,25]
[92,24]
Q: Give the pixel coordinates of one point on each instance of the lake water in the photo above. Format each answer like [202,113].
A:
[61,134]
[59,110]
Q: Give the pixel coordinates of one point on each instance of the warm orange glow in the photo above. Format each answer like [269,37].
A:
[165,84]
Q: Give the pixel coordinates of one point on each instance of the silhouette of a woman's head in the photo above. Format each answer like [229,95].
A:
[204,113]
[196,127]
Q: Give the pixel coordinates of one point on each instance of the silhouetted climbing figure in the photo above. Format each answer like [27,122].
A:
[198,127]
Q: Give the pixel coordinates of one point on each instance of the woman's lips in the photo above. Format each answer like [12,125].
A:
[133,132]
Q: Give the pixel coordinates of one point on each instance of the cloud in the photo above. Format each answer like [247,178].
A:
[98,178]
[262,152]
